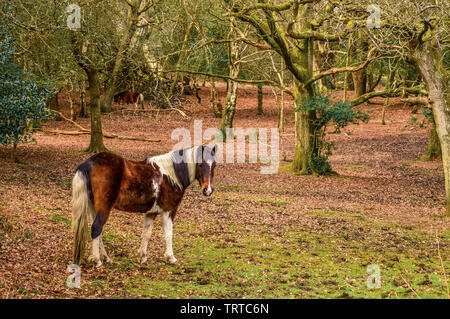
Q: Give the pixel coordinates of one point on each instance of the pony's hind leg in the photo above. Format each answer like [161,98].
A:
[167,226]
[146,234]
[95,256]
[96,232]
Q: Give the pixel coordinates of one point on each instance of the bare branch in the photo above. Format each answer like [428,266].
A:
[387,93]
[340,70]
[266,82]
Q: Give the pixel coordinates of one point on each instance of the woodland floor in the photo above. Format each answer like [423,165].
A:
[258,236]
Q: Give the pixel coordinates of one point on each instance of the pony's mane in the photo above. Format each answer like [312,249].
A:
[168,166]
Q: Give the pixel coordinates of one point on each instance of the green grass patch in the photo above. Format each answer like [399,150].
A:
[358,166]
[326,257]
[61,219]
[232,187]
[278,203]
[224,204]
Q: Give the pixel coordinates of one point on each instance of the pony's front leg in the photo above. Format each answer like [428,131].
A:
[146,234]
[167,226]
[103,253]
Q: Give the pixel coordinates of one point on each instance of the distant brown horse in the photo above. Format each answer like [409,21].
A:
[151,187]
[130,97]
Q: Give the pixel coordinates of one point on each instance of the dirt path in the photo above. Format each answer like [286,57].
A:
[259,235]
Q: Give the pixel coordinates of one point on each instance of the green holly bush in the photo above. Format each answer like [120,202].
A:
[22,99]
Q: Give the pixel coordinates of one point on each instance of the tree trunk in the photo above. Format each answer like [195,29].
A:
[433,150]
[320,57]
[361,47]
[73,113]
[96,144]
[53,104]
[304,119]
[304,132]
[260,99]
[83,104]
[180,59]
[360,82]
[372,83]
[388,85]
[15,158]
[130,29]
[232,87]
[429,61]
[79,49]
[347,63]
[230,108]
[216,106]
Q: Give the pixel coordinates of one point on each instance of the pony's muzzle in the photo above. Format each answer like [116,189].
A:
[208,191]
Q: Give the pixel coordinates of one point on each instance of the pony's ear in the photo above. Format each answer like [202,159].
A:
[214,150]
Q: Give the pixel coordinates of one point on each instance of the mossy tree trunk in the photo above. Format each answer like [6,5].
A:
[83,104]
[96,144]
[429,61]
[303,53]
[294,44]
[433,150]
[260,99]
[361,46]
[79,49]
[304,132]
[360,82]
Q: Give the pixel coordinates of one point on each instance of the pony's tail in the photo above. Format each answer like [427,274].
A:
[81,208]
[141,99]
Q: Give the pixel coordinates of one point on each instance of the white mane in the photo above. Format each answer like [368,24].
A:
[166,161]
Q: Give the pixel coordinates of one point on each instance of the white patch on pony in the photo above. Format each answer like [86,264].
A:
[190,158]
[209,189]
[155,208]
[167,227]
[165,163]
[156,188]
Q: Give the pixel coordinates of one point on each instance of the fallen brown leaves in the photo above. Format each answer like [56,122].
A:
[374,182]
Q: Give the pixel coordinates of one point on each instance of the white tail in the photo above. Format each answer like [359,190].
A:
[81,209]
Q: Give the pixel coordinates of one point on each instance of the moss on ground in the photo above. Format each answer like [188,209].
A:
[328,261]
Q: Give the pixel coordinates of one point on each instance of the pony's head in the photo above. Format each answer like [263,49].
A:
[204,168]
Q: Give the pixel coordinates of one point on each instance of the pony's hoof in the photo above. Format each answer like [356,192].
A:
[108,261]
[96,261]
[171,260]
[143,260]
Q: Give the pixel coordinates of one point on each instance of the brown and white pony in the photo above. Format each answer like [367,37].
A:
[152,187]
[130,97]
